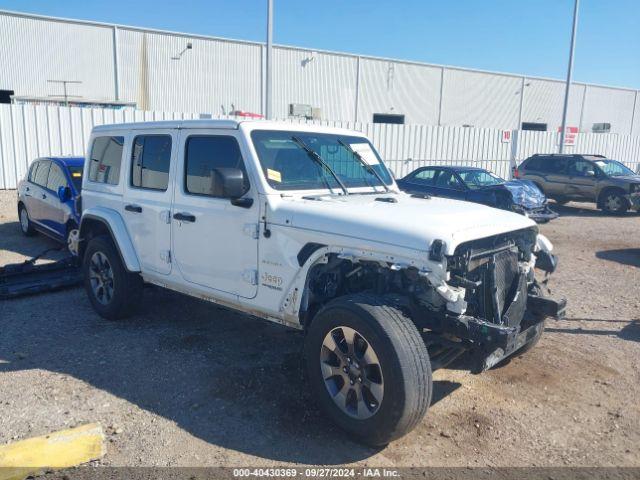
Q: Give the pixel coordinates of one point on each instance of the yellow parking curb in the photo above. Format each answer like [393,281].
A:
[63,449]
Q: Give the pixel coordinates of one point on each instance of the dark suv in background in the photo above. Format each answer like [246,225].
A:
[593,178]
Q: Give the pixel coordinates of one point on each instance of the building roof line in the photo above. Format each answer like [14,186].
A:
[305,49]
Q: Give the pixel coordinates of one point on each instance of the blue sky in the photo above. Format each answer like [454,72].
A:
[525,37]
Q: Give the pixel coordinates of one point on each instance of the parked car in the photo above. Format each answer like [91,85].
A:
[591,178]
[47,199]
[304,226]
[480,186]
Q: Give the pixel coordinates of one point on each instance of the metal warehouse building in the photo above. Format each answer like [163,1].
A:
[122,66]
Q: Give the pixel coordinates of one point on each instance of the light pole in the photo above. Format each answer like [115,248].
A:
[268,70]
[569,73]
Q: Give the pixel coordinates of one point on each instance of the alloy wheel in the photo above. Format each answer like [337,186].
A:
[24,220]
[101,278]
[351,372]
[613,203]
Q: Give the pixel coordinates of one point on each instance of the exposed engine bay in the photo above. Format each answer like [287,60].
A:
[495,276]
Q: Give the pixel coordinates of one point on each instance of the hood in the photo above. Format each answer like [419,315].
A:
[525,193]
[410,222]
[626,179]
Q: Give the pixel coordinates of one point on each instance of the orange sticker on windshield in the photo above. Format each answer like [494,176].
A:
[274,175]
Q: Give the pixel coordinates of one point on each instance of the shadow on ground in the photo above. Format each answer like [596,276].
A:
[226,378]
[625,256]
[14,241]
[630,332]
[575,209]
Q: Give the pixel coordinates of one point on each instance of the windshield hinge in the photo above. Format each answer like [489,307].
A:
[250,277]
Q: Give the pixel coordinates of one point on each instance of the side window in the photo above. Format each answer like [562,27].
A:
[580,167]
[424,177]
[42,173]
[535,164]
[203,155]
[150,161]
[57,178]
[448,179]
[105,160]
[556,165]
[32,171]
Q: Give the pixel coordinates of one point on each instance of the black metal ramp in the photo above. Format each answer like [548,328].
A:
[27,278]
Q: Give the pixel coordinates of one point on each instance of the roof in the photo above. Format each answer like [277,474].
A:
[455,168]
[224,124]
[69,161]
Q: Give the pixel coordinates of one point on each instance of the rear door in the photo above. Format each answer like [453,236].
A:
[147,197]
[555,176]
[214,241]
[39,193]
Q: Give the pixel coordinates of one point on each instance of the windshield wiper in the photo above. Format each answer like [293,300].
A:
[318,159]
[368,167]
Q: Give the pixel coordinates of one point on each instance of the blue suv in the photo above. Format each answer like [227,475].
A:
[47,199]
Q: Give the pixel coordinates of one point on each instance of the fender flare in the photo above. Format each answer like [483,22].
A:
[112,220]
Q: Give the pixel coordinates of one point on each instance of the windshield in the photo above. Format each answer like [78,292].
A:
[613,168]
[479,178]
[76,177]
[287,166]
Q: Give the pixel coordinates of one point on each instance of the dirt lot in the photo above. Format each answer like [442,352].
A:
[187,383]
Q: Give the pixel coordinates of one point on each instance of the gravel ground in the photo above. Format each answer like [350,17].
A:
[187,383]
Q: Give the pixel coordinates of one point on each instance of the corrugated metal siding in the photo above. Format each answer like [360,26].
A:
[393,87]
[28,132]
[636,115]
[210,77]
[480,99]
[33,51]
[543,102]
[608,105]
[317,79]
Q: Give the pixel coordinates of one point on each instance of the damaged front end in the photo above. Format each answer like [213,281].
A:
[505,305]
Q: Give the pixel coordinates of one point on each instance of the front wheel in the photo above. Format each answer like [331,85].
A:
[368,368]
[614,203]
[113,291]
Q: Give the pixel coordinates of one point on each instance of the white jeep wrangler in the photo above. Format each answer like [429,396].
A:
[305,226]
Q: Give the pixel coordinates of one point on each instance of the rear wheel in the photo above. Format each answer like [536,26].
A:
[112,290]
[368,368]
[25,223]
[614,202]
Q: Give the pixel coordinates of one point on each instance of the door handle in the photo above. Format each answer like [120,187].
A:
[133,208]
[184,217]
[44,196]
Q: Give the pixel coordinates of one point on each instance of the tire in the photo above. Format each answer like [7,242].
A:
[121,290]
[614,202]
[25,222]
[394,364]
[72,239]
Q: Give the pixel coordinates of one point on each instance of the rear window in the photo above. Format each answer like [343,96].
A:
[150,162]
[105,160]
[42,173]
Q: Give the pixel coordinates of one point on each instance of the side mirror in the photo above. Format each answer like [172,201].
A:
[589,173]
[64,194]
[228,183]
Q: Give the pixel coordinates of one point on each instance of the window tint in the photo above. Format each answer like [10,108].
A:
[556,165]
[203,155]
[424,177]
[535,164]
[150,161]
[105,159]
[448,179]
[57,178]
[42,173]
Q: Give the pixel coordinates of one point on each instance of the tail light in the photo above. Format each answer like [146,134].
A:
[516,173]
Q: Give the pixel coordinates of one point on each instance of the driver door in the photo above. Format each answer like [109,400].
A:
[580,183]
[215,242]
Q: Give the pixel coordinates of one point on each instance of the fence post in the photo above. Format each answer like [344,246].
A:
[513,160]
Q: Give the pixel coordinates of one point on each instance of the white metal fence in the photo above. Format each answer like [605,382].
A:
[28,132]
